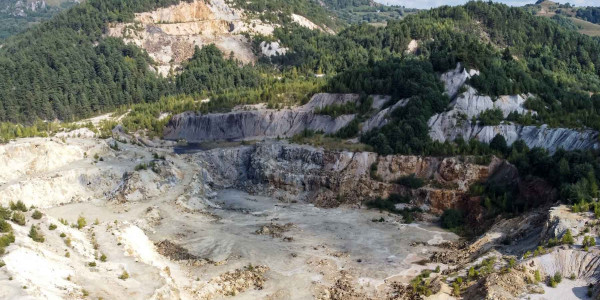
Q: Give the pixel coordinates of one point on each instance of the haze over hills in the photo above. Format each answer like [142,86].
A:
[436,3]
[271,149]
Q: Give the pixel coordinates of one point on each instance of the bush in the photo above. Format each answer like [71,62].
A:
[491,117]
[35,235]
[557,277]
[455,289]
[552,283]
[18,218]
[81,222]
[92,264]
[5,213]
[567,238]
[124,275]
[19,206]
[411,181]
[498,143]
[452,218]
[141,167]
[6,240]
[37,215]
[51,227]
[389,203]
[589,241]
[373,172]
[103,257]
[537,276]
[5,226]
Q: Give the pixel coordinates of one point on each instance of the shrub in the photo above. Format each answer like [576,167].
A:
[18,218]
[5,227]
[5,213]
[389,203]
[491,117]
[537,276]
[455,289]
[63,221]
[589,241]
[81,222]
[411,181]
[557,277]
[37,215]
[552,282]
[511,262]
[452,218]
[6,240]
[124,275]
[19,206]
[92,264]
[373,172]
[51,227]
[567,238]
[141,167]
[498,143]
[35,235]
[103,257]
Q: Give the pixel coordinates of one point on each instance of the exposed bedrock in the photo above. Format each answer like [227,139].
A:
[458,119]
[260,123]
[332,178]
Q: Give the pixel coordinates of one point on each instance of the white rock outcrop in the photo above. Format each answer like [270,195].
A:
[272,49]
[457,121]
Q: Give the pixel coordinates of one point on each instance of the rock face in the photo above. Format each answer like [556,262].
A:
[381,118]
[170,34]
[584,265]
[272,49]
[454,80]
[457,120]
[332,178]
[261,123]
[560,219]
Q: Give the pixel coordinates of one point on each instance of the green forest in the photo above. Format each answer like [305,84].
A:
[64,69]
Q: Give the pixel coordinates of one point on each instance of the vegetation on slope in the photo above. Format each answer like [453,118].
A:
[515,51]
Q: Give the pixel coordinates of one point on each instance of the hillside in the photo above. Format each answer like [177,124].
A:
[584,19]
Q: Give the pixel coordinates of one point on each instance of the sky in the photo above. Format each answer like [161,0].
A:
[434,3]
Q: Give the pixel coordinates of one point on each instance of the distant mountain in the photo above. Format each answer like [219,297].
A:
[585,20]
[18,15]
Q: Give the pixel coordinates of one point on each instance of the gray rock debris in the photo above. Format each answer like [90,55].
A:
[261,123]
